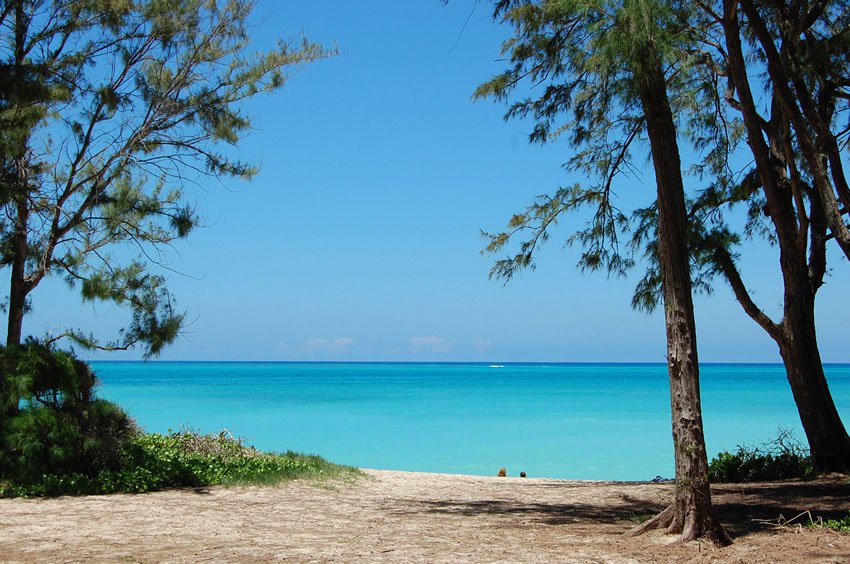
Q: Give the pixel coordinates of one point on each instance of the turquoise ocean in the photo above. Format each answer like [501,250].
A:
[577,421]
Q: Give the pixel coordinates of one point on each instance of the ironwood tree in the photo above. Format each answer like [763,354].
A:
[799,168]
[111,111]
[782,194]
[805,50]
[779,191]
[608,67]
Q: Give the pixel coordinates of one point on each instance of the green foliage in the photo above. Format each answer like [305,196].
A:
[108,112]
[577,60]
[42,375]
[41,440]
[51,422]
[189,459]
[57,438]
[639,518]
[781,459]
[572,68]
[839,525]
[182,459]
[736,204]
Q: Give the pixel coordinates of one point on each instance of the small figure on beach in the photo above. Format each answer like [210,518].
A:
[502,472]
[522,474]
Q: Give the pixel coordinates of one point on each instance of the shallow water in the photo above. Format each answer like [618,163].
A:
[580,421]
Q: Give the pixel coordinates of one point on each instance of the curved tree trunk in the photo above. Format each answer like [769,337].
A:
[795,335]
[813,134]
[796,338]
[691,513]
[826,434]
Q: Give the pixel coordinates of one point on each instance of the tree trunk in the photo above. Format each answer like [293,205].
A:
[691,513]
[826,434]
[805,118]
[795,335]
[17,301]
[17,293]
[797,340]
[17,285]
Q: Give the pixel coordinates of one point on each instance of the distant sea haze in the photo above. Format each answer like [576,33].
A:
[577,421]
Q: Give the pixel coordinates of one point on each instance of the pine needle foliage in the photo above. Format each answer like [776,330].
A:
[613,73]
[111,113]
[51,422]
[572,82]
[571,66]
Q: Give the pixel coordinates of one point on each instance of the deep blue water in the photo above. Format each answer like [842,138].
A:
[581,421]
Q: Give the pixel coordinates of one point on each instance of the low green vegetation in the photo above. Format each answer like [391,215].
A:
[781,459]
[638,518]
[56,438]
[839,525]
[150,461]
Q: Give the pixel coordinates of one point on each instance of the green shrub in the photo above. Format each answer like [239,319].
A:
[40,440]
[43,375]
[56,438]
[183,459]
[51,423]
[841,525]
[188,458]
[781,459]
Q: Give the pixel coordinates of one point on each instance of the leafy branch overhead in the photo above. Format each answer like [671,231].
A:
[562,77]
[568,76]
[767,157]
[599,238]
[109,112]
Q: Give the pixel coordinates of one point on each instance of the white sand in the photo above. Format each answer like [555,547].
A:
[407,516]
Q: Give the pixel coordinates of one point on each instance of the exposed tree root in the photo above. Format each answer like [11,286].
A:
[660,521]
[689,528]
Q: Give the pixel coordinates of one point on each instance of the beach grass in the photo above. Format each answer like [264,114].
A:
[273,468]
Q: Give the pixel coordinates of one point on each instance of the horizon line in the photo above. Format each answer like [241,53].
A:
[447,362]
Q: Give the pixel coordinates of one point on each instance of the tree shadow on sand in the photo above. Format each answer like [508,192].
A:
[743,508]
[546,513]
[750,508]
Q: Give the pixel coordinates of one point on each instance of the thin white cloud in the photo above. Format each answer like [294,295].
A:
[482,345]
[430,344]
[335,345]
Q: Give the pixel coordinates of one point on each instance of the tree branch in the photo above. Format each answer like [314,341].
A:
[727,266]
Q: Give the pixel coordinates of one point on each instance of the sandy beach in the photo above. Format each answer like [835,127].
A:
[407,516]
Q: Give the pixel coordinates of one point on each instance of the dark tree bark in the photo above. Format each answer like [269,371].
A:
[17,284]
[691,512]
[827,436]
[797,341]
[795,334]
[817,143]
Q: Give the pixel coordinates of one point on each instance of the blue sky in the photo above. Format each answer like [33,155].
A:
[359,239]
